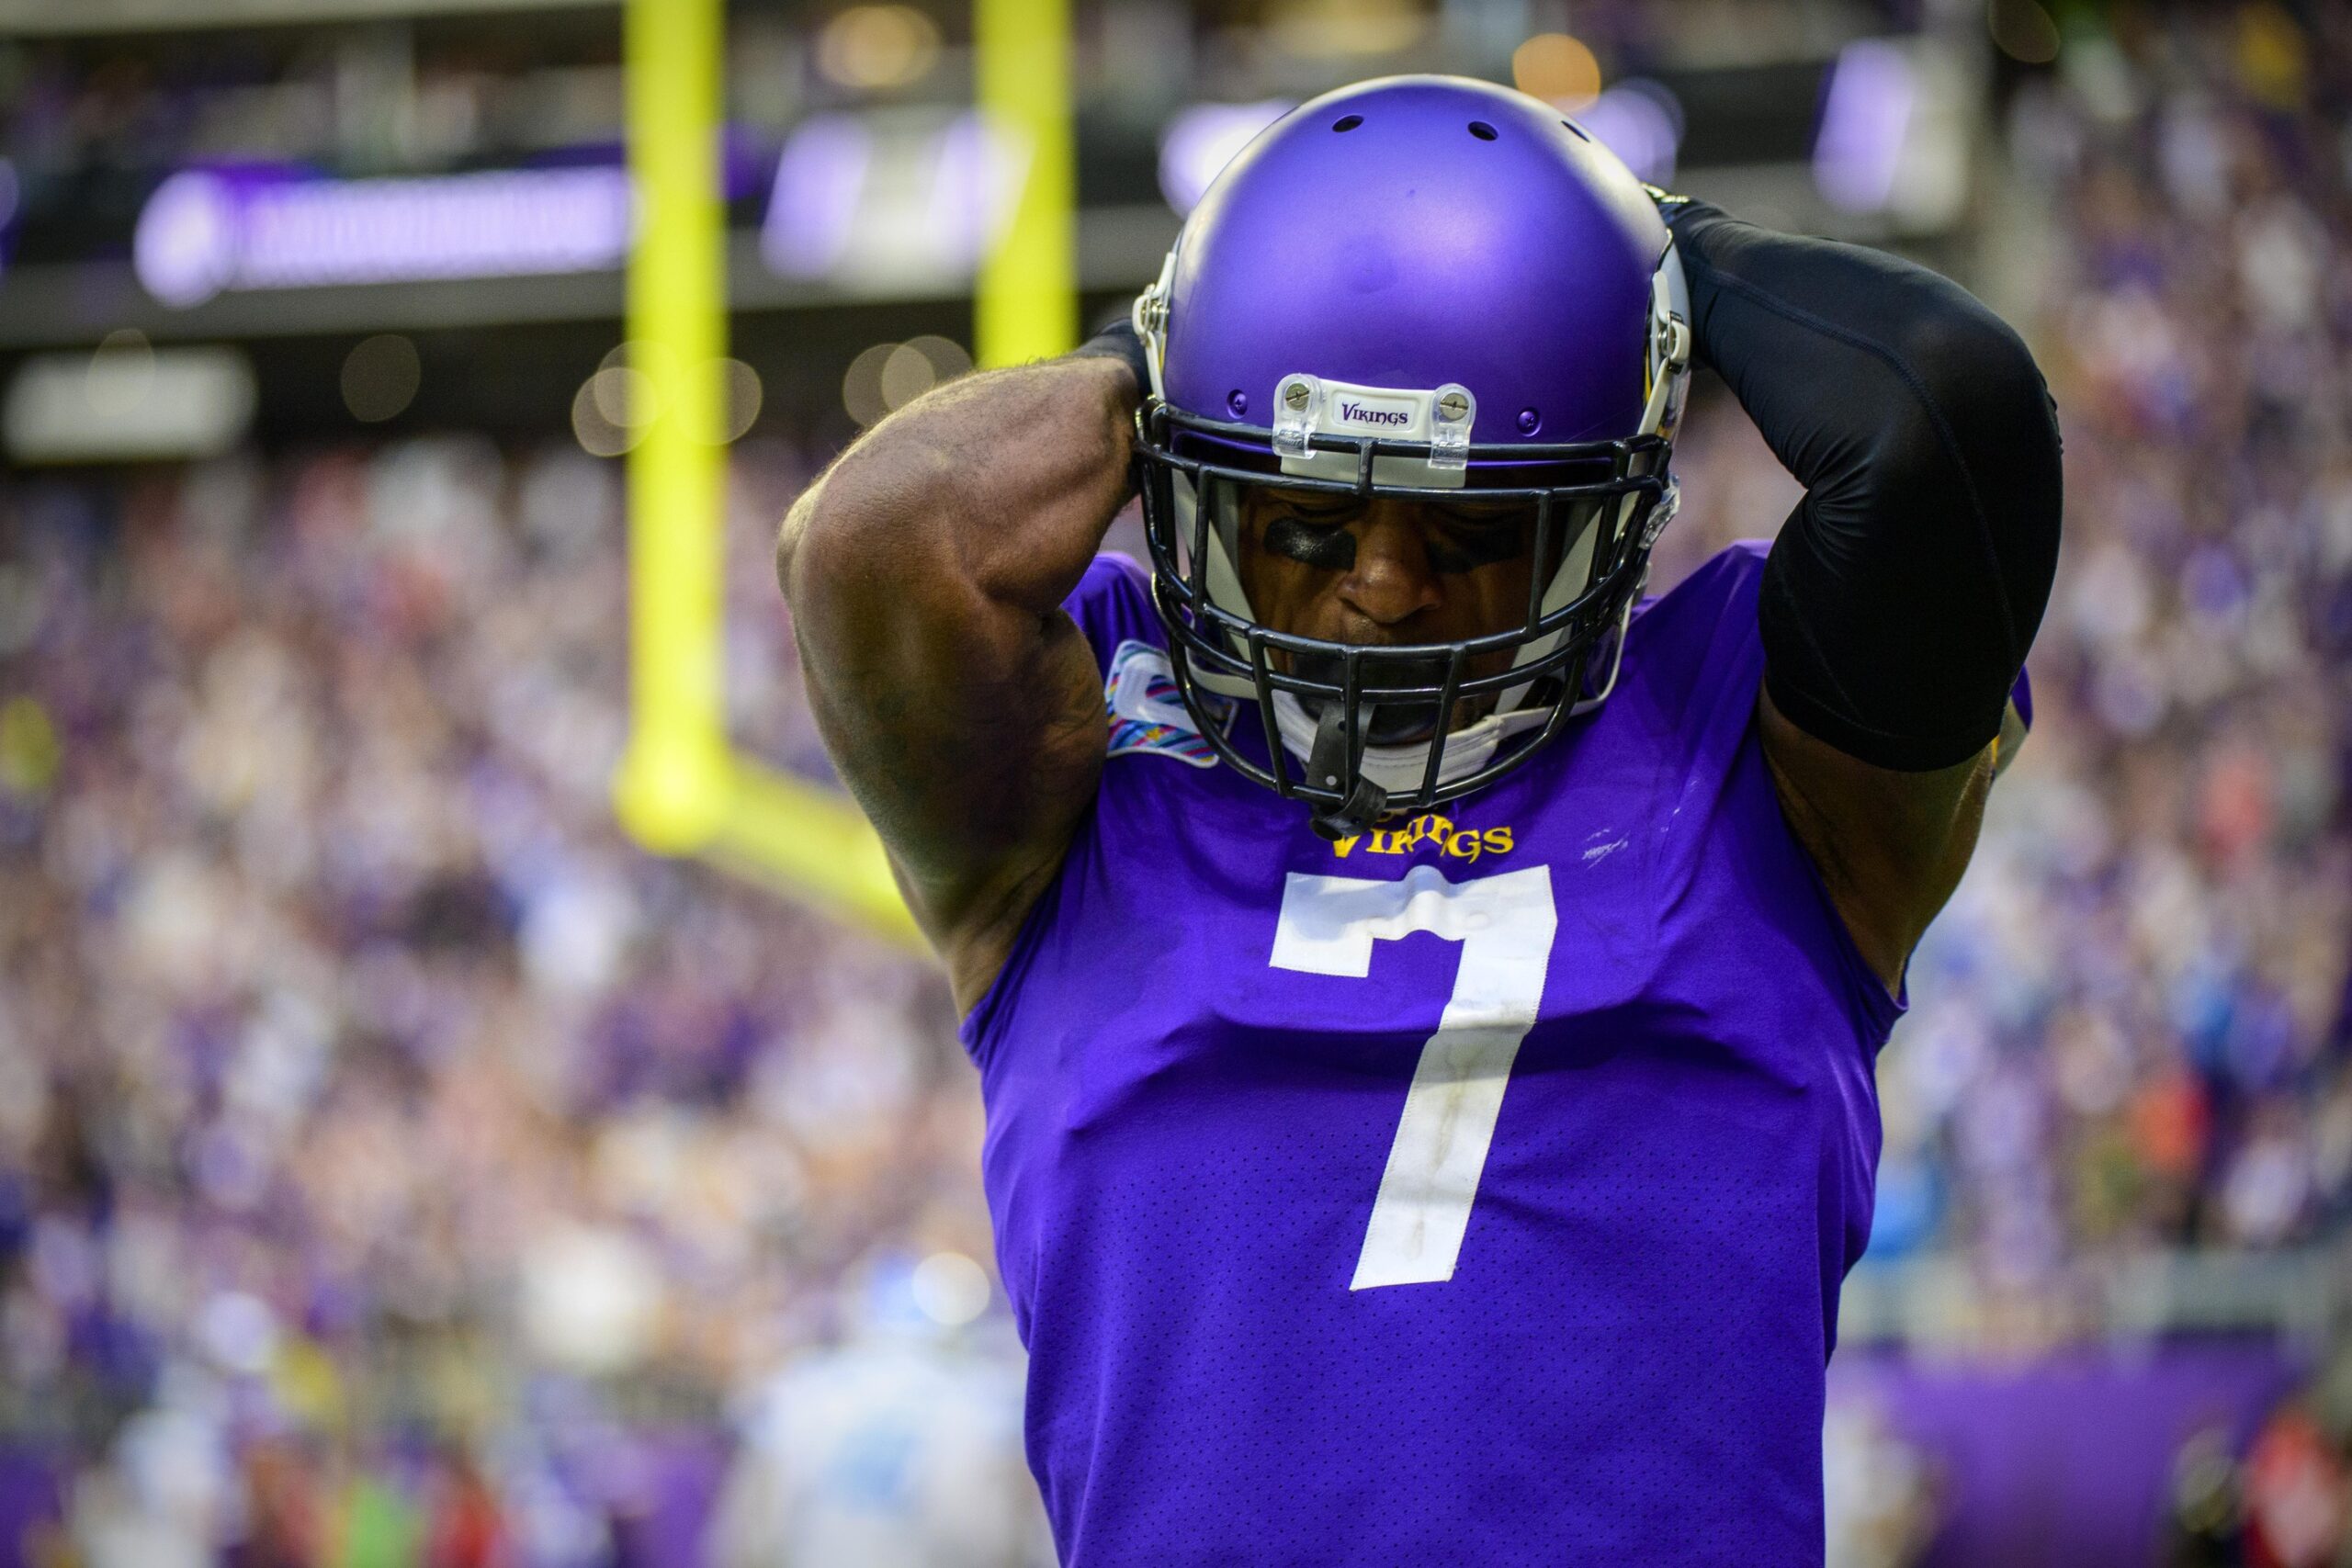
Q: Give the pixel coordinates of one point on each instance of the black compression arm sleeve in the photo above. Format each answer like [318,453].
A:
[1118,339]
[1900,598]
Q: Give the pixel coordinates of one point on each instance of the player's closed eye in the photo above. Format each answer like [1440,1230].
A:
[1461,542]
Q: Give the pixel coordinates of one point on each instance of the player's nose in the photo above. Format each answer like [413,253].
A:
[1391,580]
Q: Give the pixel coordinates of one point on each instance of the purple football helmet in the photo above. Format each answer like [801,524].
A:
[1433,289]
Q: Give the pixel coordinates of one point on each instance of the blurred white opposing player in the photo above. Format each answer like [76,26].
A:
[900,1448]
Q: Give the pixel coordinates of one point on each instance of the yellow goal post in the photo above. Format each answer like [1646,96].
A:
[683,786]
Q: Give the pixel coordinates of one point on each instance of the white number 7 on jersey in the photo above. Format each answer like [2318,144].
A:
[1505,926]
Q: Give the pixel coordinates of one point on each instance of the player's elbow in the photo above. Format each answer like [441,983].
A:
[865,526]
[788,547]
[1968,435]
[825,556]
[818,549]
[811,554]
[1983,408]
[819,566]
[2010,415]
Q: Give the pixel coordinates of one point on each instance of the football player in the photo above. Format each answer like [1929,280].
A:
[1425,995]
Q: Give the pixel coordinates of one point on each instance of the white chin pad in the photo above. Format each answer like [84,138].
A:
[1399,770]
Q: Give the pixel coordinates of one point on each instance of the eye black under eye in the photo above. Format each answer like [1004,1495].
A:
[1324,545]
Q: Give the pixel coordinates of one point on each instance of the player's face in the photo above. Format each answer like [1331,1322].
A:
[1389,573]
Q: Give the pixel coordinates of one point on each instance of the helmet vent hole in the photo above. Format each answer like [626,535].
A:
[1577,131]
[1482,130]
[1347,122]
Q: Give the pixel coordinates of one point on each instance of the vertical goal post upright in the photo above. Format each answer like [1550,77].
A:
[1025,302]
[682,787]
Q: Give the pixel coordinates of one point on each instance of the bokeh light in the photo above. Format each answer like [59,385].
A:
[601,412]
[613,408]
[624,396]
[1558,69]
[875,46]
[906,376]
[862,384]
[741,398]
[948,358]
[951,1288]
[888,375]
[381,375]
[2022,30]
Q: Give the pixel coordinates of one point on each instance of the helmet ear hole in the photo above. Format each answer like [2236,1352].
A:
[1347,122]
[1482,130]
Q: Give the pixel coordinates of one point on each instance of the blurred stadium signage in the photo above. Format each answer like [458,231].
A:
[128,402]
[202,233]
[1200,139]
[1642,122]
[1893,133]
[881,200]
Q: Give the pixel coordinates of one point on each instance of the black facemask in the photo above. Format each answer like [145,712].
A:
[1388,723]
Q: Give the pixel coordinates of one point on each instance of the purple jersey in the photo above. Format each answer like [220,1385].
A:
[1475,1190]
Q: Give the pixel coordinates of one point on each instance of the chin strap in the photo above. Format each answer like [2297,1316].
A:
[1327,764]
[1398,770]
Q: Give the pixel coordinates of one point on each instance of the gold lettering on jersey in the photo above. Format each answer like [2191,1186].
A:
[1433,832]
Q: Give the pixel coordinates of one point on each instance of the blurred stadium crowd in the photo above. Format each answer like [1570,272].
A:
[2163,918]
[357,1072]
[2130,1029]
[396,1165]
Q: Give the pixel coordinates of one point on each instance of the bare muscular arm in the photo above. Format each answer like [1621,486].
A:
[1890,846]
[926,571]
